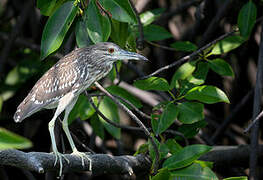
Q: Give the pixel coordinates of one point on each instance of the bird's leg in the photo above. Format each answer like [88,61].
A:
[64,102]
[67,132]
[58,155]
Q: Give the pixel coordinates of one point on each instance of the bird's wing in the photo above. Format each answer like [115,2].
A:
[54,84]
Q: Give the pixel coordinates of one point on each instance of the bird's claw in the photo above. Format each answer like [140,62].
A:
[83,156]
[59,157]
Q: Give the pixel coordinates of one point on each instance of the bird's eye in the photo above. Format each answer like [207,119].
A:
[111,50]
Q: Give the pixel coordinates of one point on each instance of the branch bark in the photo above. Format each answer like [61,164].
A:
[231,156]
[101,163]
[222,156]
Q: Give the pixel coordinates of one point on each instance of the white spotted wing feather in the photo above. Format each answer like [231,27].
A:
[62,78]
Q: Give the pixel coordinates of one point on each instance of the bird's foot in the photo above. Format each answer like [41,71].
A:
[59,157]
[83,156]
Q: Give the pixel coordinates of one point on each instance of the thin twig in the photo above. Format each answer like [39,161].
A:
[161,46]
[188,57]
[177,133]
[253,160]
[136,119]
[108,120]
[82,144]
[134,107]
[213,26]
[129,103]
[253,123]
[140,40]
[184,6]
[223,126]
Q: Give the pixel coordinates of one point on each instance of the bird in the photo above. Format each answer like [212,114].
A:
[62,84]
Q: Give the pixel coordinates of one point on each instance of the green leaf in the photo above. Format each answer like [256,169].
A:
[221,67]
[143,149]
[119,32]
[183,86]
[120,10]
[151,149]
[166,120]
[154,32]
[193,172]
[205,163]
[237,178]
[131,42]
[199,75]
[173,146]
[82,36]
[10,140]
[82,109]
[116,90]
[152,83]
[207,94]
[56,28]
[186,156]
[113,74]
[46,6]
[149,16]
[98,26]
[162,148]
[17,76]
[183,72]
[157,112]
[162,175]
[185,46]
[247,18]
[190,130]
[190,112]
[97,126]
[227,45]
[110,110]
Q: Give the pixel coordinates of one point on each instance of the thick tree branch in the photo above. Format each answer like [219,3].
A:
[222,156]
[101,163]
[231,156]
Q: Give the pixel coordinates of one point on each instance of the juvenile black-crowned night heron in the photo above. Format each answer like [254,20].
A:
[61,85]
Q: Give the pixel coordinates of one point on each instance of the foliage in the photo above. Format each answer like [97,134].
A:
[103,20]
[11,140]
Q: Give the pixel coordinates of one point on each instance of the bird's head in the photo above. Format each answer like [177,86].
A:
[111,52]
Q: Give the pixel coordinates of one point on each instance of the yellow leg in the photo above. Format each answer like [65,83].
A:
[67,132]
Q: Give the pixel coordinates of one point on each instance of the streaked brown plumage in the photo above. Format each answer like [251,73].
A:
[61,85]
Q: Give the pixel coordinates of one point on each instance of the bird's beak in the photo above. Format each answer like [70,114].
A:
[123,55]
